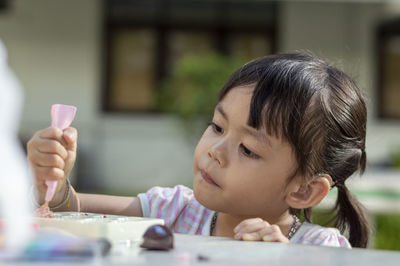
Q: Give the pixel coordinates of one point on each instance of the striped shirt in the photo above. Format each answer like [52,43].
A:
[182,213]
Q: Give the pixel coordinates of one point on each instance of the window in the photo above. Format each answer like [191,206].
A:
[389,67]
[4,4]
[132,64]
[145,38]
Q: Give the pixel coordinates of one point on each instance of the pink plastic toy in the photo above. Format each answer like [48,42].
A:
[61,117]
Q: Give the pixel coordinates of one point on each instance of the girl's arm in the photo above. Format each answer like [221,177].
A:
[117,205]
[105,204]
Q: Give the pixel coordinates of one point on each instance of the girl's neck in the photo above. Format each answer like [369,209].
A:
[226,223]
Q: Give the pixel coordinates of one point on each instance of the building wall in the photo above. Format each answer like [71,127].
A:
[55,49]
[343,34]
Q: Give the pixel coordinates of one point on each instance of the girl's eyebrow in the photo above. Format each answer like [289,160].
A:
[250,131]
[258,135]
[221,111]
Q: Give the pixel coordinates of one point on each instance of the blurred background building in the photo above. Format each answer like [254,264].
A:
[111,57]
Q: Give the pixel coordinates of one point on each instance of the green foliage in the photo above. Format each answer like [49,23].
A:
[191,91]
[324,217]
[387,232]
[395,157]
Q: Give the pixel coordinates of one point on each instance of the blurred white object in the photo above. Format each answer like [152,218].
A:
[15,179]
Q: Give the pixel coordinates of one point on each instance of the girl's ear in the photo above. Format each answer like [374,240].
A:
[310,194]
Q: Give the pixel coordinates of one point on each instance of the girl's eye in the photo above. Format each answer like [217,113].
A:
[216,128]
[248,152]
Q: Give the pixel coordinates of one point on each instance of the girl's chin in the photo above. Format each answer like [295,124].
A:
[205,199]
[199,195]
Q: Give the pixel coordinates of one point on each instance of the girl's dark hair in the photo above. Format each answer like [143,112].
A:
[321,112]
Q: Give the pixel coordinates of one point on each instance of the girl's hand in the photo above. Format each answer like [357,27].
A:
[51,155]
[257,229]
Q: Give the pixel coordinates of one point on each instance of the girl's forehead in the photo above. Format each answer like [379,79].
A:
[246,89]
[235,108]
[238,96]
[236,102]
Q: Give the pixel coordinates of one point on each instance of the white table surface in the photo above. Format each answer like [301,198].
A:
[224,251]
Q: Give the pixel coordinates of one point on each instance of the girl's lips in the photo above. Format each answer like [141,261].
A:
[207,178]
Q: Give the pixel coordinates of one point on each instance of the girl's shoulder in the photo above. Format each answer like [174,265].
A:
[316,235]
[177,206]
[177,194]
[161,197]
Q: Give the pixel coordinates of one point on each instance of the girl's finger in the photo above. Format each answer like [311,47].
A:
[42,174]
[69,163]
[269,234]
[47,173]
[51,133]
[273,234]
[275,238]
[70,136]
[48,160]
[250,225]
[51,146]
[255,236]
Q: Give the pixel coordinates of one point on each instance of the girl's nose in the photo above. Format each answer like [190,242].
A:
[217,154]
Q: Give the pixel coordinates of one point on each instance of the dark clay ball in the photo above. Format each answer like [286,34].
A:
[158,237]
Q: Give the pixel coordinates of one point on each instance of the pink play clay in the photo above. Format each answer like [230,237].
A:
[61,117]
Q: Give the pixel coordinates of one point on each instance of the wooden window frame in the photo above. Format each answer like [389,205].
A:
[219,31]
[385,32]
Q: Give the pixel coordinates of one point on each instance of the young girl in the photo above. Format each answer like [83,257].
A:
[287,128]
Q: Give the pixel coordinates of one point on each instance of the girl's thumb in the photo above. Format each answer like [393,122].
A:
[70,136]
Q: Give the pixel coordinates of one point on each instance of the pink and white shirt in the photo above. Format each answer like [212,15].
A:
[182,213]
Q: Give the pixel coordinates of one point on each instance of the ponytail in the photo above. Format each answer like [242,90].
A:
[363,161]
[351,217]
